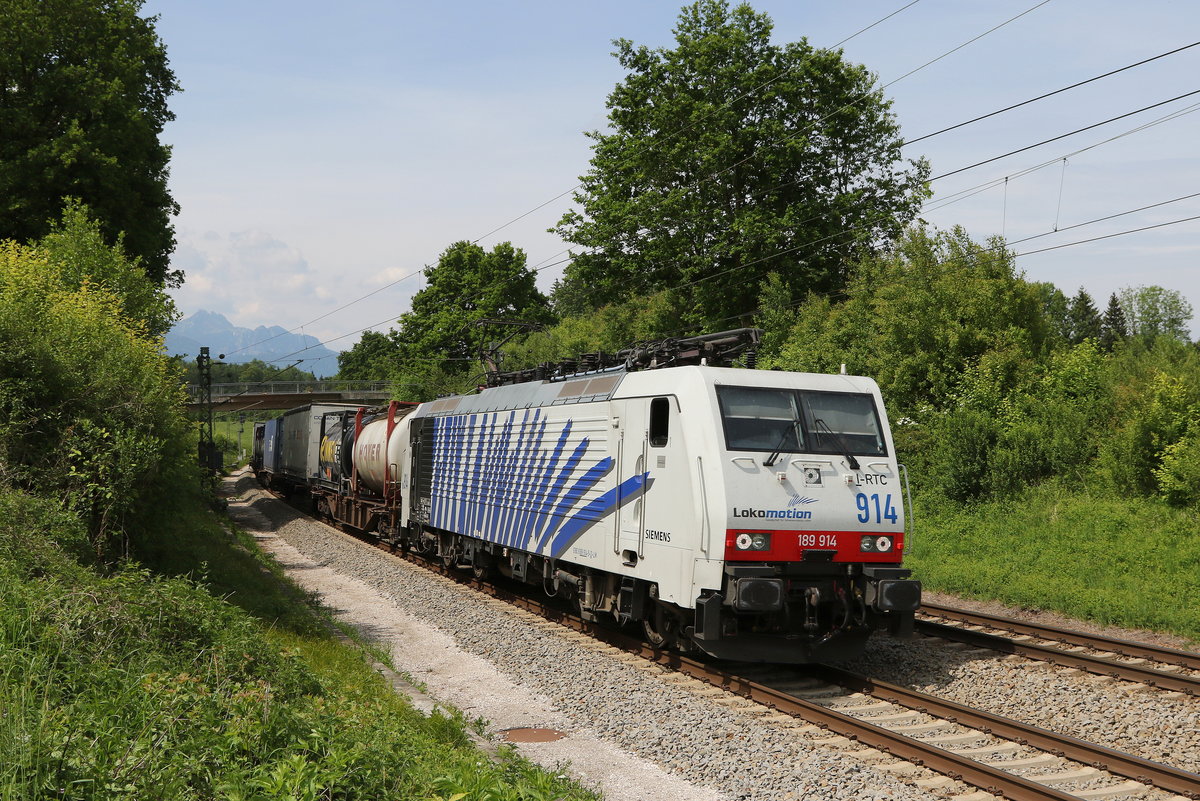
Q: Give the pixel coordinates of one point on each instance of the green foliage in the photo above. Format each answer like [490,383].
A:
[76,245]
[1157,405]
[90,410]
[1017,424]
[1178,472]
[373,356]
[437,346]
[1114,328]
[1085,321]
[915,318]
[609,328]
[1154,312]
[252,371]
[84,100]
[130,686]
[1102,556]
[729,157]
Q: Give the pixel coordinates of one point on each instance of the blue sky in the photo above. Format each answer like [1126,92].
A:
[322,151]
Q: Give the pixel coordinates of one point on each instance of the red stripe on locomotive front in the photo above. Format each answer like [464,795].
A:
[786,546]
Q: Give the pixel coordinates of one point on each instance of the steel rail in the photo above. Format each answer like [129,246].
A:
[1147,771]
[981,775]
[948,763]
[1092,664]
[1157,653]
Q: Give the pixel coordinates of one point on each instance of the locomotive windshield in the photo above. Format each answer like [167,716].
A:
[800,421]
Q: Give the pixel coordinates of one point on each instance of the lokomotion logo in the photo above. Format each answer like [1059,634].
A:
[778,514]
[774,514]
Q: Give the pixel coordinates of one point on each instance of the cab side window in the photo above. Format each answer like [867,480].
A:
[660,422]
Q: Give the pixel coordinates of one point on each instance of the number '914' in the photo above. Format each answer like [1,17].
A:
[884,510]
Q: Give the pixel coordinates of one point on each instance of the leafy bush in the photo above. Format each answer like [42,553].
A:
[914,318]
[1156,417]
[1178,474]
[91,411]
[130,686]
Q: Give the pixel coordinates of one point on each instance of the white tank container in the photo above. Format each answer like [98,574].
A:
[376,458]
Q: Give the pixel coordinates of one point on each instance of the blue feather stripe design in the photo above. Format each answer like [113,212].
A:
[629,490]
[495,476]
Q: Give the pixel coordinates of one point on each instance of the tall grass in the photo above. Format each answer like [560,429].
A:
[118,683]
[1126,561]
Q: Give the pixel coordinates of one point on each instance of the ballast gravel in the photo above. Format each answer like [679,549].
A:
[1153,724]
[632,734]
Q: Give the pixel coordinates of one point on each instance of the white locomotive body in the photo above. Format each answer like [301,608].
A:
[754,515]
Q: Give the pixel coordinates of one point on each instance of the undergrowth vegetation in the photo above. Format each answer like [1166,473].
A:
[118,683]
[1112,559]
[144,651]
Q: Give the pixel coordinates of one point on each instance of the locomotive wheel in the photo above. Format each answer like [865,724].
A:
[481,570]
[661,628]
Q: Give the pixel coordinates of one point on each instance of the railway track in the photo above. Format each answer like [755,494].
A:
[1165,668]
[996,755]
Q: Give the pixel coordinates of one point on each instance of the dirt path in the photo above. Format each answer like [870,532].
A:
[448,676]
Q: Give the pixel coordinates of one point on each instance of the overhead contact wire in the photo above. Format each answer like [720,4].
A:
[572,189]
[1063,136]
[1049,94]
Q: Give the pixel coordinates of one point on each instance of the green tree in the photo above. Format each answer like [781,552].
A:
[1153,311]
[1114,327]
[916,318]
[91,410]
[729,157]
[1057,308]
[436,348]
[467,285]
[77,246]
[252,371]
[83,100]
[1083,319]
[373,357]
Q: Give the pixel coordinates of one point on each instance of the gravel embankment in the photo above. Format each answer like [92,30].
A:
[697,738]
[1152,724]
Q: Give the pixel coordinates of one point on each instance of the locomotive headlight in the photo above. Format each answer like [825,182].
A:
[758,541]
[880,544]
[883,544]
[867,544]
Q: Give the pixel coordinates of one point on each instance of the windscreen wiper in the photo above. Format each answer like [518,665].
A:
[818,423]
[774,457]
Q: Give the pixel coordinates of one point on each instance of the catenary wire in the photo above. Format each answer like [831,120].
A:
[997,112]
[1048,94]
[685,127]
[559,196]
[935,133]
[892,82]
[1108,236]
[836,293]
[785,252]
[963,194]
[1173,115]
[1063,136]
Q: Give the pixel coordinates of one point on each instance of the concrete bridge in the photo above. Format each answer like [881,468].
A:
[289,394]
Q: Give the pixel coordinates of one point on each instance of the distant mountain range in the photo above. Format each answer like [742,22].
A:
[265,342]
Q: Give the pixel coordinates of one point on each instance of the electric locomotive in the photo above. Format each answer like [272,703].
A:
[752,515]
